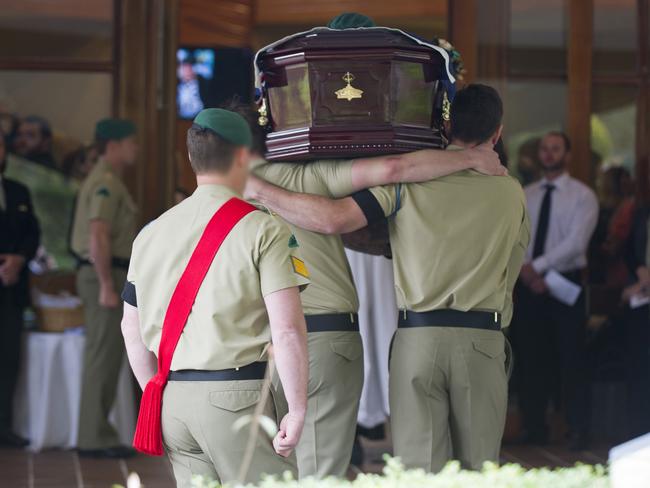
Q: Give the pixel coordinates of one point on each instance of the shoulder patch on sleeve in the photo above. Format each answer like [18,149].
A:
[299,267]
[293,242]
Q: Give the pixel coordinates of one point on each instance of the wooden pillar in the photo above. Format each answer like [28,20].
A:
[146,96]
[579,70]
[463,34]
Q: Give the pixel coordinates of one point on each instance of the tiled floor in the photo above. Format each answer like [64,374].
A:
[64,469]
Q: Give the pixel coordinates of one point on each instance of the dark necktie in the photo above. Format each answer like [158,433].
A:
[542,223]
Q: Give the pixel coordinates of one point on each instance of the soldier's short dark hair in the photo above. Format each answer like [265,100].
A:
[249,113]
[208,151]
[476,113]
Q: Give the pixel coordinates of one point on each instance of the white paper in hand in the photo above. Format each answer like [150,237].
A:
[563,290]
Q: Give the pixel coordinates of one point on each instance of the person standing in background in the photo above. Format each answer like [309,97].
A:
[618,206]
[563,213]
[19,239]
[34,141]
[636,331]
[103,230]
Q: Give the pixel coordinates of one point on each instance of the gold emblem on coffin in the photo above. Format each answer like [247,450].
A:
[348,92]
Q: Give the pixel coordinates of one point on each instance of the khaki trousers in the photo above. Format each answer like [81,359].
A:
[103,355]
[197,420]
[448,396]
[335,383]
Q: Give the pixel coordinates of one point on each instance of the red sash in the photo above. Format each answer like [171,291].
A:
[148,432]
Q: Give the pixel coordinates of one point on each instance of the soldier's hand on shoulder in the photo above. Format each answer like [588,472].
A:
[486,160]
[253,184]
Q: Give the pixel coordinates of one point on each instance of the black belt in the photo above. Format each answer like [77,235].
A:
[333,322]
[450,318]
[121,263]
[253,371]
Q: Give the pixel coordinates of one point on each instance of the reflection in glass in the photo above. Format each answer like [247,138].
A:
[537,37]
[613,124]
[532,108]
[291,102]
[71,29]
[615,36]
[413,97]
[72,102]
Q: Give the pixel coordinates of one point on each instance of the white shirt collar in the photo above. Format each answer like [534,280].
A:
[559,183]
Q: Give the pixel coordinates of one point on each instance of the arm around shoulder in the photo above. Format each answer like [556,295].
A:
[311,212]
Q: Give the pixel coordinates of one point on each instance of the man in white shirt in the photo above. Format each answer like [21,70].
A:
[548,335]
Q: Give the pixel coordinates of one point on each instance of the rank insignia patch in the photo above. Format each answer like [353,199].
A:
[103,192]
[299,267]
[293,242]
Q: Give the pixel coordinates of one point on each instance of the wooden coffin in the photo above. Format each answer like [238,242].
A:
[351,93]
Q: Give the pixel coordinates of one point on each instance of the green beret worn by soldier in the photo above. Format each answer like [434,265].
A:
[249,295]
[458,243]
[103,230]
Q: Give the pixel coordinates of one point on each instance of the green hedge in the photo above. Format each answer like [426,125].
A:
[492,476]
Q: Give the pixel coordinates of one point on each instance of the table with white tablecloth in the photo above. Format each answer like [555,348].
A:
[373,277]
[47,400]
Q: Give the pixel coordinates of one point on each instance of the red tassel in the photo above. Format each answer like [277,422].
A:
[148,431]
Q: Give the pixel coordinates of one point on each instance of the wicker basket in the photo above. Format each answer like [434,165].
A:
[59,319]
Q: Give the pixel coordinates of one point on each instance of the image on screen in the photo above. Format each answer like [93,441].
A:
[195,73]
[209,77]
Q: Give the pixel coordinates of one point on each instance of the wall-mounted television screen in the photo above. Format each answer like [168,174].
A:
[210,77]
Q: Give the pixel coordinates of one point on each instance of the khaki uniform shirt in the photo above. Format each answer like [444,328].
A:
[228,326]
[104,196]
[458,242]
[332,288]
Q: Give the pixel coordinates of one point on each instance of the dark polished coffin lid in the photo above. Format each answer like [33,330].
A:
[350,93]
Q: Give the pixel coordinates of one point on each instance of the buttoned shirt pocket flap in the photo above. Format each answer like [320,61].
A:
[234,400]
[349,350]
[491,348]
